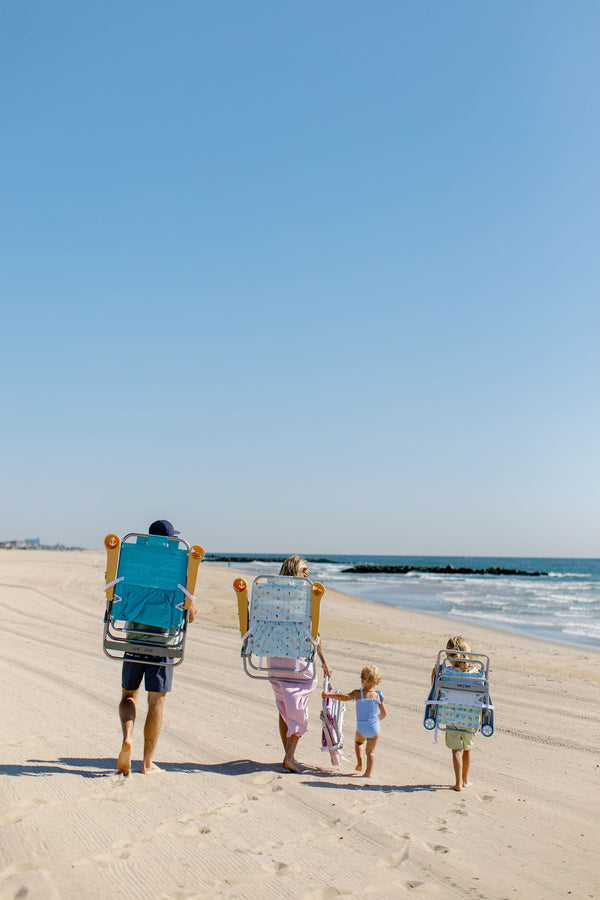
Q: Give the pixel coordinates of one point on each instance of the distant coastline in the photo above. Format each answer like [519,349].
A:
[33,544]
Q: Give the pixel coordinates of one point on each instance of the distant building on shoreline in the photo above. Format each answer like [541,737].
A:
[33,544]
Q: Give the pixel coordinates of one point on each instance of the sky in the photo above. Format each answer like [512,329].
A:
[316,278]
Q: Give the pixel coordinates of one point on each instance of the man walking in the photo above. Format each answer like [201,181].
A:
[157,682]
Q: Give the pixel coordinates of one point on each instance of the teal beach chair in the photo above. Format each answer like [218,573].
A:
[150,584]
[281,623]
[459,700]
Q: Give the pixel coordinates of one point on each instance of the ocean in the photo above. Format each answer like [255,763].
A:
[562,605]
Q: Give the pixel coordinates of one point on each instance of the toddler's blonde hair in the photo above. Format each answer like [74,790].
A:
[457,642]
[371,674]
[294,565]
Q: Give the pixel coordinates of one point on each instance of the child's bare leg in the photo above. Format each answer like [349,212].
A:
[358,742]
[466,761]
[457,762]
[370,755]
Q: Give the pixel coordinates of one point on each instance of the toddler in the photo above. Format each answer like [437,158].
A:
[370,709]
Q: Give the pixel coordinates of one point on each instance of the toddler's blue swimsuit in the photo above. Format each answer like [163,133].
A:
[367,715]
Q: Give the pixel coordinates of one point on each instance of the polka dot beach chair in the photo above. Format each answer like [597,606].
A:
[150,583]
[279,626]
[460,700]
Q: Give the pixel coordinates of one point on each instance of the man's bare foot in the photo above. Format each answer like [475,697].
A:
[150,768]
[124,760]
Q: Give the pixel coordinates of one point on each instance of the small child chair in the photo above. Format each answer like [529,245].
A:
[150,582]
[460,700]
[332,720]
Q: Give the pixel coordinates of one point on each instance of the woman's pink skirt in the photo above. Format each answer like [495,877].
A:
[291,697]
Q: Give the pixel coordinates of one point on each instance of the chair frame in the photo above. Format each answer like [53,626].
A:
[460,683]
[117,640]
[253,664]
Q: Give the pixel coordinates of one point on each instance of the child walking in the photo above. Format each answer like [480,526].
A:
[370,709]
[460,742]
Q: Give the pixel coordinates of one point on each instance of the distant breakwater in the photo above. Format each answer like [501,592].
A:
[213,557]
[438,570]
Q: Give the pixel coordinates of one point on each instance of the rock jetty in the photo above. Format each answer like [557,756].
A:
[439,570]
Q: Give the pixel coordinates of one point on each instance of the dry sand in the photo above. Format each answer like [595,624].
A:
[223,820]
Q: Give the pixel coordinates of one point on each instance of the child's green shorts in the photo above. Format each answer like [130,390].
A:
[459,740]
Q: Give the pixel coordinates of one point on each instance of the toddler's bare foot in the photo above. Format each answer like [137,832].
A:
[150,769]
[124,760]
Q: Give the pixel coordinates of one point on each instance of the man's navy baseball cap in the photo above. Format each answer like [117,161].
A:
[162,526]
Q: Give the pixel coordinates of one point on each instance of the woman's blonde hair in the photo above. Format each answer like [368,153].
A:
[294,565]
[457,642]
[371,674]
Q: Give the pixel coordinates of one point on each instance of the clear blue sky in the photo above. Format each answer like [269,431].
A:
[317,277]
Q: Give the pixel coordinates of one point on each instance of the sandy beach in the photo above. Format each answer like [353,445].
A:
[224,820]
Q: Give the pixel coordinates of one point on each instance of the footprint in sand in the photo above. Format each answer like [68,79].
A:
[390,862]
[279,868]
[439,848]
[327,893]
[266,778]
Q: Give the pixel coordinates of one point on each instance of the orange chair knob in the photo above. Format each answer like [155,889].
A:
[318,588]
[239,585]
[111,541]
[197,551]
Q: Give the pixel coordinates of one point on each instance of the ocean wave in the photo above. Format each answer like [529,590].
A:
[570,575]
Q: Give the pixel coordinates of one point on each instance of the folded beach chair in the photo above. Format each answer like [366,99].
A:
[280,626]
[332,720]
[150,582]
[460,700]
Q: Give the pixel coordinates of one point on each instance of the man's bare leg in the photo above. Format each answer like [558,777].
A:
[127,716]
[457,762]
[156,701]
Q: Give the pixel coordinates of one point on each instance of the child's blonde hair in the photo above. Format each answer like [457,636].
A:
[294,565]
[457,642]
[370,674]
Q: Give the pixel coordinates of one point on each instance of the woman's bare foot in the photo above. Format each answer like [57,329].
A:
[457,787]
[150,769]
[124,760]
[290,765]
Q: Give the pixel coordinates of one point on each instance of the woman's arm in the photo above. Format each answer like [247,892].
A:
[326,669]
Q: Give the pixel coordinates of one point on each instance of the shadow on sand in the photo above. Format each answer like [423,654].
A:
[97,768]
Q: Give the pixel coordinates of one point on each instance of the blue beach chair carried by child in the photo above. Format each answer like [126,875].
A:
[459,699]
[280,624]
[150,584]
